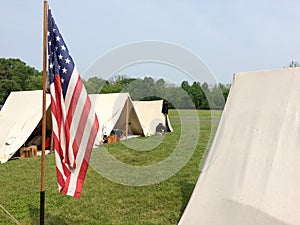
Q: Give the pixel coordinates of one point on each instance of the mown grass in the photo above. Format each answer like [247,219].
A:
[104,201]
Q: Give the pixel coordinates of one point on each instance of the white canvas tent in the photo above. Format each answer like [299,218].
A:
[150,115]
[19,117]
[22,112]
[112,110]
[252,173]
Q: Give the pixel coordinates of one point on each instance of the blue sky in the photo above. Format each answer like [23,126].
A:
[229,36]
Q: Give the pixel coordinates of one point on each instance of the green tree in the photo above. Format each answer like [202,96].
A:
[125,81]
[225,90]
[179,98]
[15,69]
[206,92]
[206,97]
[294,64]
[196,94]
[216,98]
[141,89]
[185,86]
[94,85]
[6,86]
[116,84]
[15,75]
[160,88]
[35,82]
[111,88]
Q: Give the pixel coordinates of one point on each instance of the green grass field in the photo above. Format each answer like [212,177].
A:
[105,199]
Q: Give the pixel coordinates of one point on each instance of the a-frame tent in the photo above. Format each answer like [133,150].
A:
[252,173]
[20,116]
[115,111]
[150,115]
[22,113]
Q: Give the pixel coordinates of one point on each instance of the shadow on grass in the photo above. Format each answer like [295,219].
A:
[186,192]
[48,218]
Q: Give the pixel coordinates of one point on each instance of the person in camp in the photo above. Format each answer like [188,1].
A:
[165,111]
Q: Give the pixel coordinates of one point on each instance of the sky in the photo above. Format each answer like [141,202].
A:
[226,36]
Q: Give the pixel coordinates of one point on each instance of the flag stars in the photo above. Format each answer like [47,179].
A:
[51,65]
[54,30]
[49,43]
[60,56]
[58,38]
[68,61]
[64,70]
[62,80]
[63,48]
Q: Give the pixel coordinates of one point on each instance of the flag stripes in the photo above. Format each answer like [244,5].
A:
[75,123]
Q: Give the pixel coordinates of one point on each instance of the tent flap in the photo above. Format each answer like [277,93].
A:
[150,115]
[111,110]
[20,115]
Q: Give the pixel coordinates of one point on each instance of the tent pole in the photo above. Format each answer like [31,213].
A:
[51,142]
[42,193]
[127,117]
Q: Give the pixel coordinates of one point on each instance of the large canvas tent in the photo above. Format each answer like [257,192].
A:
[150,115]
[113,110]
[252,173]
[20,116]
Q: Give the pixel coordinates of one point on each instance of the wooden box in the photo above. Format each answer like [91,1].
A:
[28,152]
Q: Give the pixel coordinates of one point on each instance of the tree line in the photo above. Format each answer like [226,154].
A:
[186,96]
[15,75]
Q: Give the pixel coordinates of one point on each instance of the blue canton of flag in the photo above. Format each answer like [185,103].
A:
[58,54]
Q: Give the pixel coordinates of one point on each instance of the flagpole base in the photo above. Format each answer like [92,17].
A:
[42,208]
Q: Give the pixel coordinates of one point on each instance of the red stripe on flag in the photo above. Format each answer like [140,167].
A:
[81,126]
[57,110]
[65,171]
[74,100]
[80,180]
[65,188]
[59,152]
[57,147]
[86,160]
[60,178]
[60,119]
[56,103]
[69,117]
[91,140]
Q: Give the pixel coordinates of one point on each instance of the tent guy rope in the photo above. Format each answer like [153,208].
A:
[9,216]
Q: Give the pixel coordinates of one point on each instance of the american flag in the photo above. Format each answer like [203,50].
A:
[74,121]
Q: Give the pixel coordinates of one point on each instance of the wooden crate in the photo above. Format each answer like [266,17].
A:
[28,152]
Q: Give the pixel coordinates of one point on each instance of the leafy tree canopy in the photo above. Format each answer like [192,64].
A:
[15,75]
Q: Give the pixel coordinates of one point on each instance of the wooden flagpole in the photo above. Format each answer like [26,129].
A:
[42,193]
